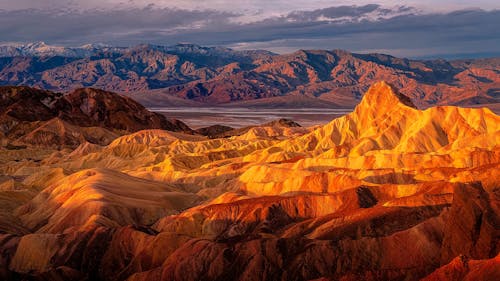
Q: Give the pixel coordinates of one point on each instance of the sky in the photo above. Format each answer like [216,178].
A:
[415,29]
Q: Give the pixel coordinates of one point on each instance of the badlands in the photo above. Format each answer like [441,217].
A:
[95,187]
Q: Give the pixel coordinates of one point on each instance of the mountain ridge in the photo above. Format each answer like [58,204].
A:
[216,75]
[38,117]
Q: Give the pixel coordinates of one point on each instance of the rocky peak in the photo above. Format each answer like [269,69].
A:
[382,97]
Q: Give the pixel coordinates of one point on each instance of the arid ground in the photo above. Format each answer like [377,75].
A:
[96,187]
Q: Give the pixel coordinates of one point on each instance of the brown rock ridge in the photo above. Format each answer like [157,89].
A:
[37,117]
[218,131]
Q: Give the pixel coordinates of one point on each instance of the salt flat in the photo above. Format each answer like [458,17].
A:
[197,117]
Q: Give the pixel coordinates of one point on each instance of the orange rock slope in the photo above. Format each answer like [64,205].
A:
[388,192]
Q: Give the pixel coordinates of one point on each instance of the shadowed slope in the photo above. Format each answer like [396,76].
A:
[42,118]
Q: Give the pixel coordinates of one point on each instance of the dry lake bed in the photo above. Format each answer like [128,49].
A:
[197,117]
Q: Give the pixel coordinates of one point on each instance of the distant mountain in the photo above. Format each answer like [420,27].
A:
[215,75]
[42,49]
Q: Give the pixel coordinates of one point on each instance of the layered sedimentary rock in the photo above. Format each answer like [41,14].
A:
[387,192]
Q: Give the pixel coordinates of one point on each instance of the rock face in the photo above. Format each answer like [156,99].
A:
[313,78]
[109,110]
[38,117]
[214,131]
[387,192]
[462,268]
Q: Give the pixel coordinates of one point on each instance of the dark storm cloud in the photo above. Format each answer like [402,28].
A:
[460,32]
[401,31]
[466,25]
[111,26]
[333,12]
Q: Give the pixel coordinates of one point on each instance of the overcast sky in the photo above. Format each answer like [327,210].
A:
[402,28]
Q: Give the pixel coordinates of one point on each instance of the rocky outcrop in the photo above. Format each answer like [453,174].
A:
[214,131]
[464,268]
[43,118]
[92,107]
[286,127]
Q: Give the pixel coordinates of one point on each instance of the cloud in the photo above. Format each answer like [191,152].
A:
[401,31]
[122,26]
[468,32]
[333,13]
[266,6]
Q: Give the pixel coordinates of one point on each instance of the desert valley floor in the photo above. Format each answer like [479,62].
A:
[95,187]
[196,117]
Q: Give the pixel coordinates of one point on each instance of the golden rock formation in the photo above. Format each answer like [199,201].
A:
[387,192]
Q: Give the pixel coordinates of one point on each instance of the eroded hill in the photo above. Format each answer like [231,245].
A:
[30,116]
[387,192]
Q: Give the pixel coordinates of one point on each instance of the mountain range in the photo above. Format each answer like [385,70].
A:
[196,75]
[42,49]
[386,192]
